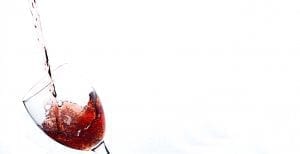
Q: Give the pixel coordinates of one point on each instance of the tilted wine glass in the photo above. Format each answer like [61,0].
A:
[75,117]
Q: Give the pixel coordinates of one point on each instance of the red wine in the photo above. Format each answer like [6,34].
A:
[77,127]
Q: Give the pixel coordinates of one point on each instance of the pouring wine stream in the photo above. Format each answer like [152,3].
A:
[41,42]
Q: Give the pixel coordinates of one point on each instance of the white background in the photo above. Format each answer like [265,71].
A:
[175,76]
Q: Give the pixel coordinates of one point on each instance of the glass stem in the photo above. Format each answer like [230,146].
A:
[97,148]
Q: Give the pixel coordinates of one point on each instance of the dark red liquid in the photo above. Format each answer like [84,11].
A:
[77,127]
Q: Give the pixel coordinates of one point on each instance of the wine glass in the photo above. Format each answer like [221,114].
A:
[74,117]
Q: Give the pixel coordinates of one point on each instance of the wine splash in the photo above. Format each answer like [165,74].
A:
[78,127]
[41,41]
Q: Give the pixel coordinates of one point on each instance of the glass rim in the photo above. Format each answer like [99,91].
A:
[44,82]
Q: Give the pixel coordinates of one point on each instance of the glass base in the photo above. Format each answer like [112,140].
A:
[101,148]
